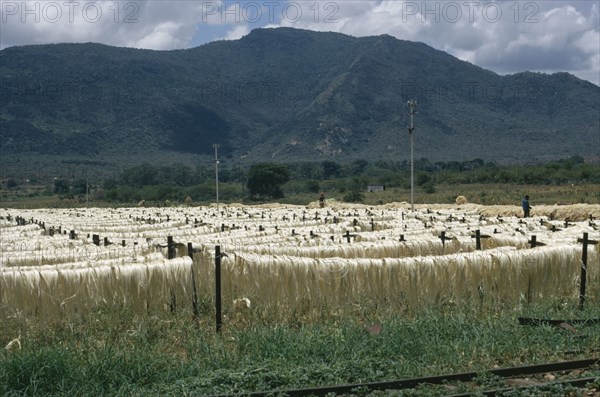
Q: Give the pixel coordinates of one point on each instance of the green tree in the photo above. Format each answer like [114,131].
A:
[358,167]
[182,175]
[309,170]
[141,175]
[109,183]
[79,187]
[355,191]
[11,183]
[429,187]
[61,186]
[331,169]
[265,180]
[312,186]
[422,178]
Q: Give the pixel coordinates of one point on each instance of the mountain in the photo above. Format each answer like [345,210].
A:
[284,95]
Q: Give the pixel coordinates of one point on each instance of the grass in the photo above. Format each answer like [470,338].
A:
[115,353]
[486,194]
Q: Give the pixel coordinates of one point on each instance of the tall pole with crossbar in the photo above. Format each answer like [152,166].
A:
[412,105]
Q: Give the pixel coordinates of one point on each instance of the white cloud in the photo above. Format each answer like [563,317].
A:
[162,37]
[237,32]
[506,37]
[144,24]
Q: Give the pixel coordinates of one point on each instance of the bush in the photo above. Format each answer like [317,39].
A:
[312,186]
[429,188]
[11,183]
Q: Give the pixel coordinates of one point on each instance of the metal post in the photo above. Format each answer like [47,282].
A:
[216,146]
[412,104]
[218,299]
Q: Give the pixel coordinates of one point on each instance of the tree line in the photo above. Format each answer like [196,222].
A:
[269,181]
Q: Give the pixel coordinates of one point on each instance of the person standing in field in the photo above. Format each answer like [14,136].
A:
[526,206]
[322,200]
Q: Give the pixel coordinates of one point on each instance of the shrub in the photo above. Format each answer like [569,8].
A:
[460,200]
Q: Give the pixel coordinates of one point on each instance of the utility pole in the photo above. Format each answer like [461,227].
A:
[216,146]
[412,104]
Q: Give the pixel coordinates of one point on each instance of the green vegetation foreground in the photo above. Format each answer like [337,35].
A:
[170,354]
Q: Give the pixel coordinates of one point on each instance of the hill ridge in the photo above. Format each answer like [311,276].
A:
[286,95]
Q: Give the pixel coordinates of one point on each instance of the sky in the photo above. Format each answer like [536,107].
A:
[506,36]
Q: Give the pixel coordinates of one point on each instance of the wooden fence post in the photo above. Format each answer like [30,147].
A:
[444,238]
[585,241]
[170,247]
[194,293]
[533,241]
[171,255]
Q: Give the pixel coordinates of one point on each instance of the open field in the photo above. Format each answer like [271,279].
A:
[310,296]
[496,194]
